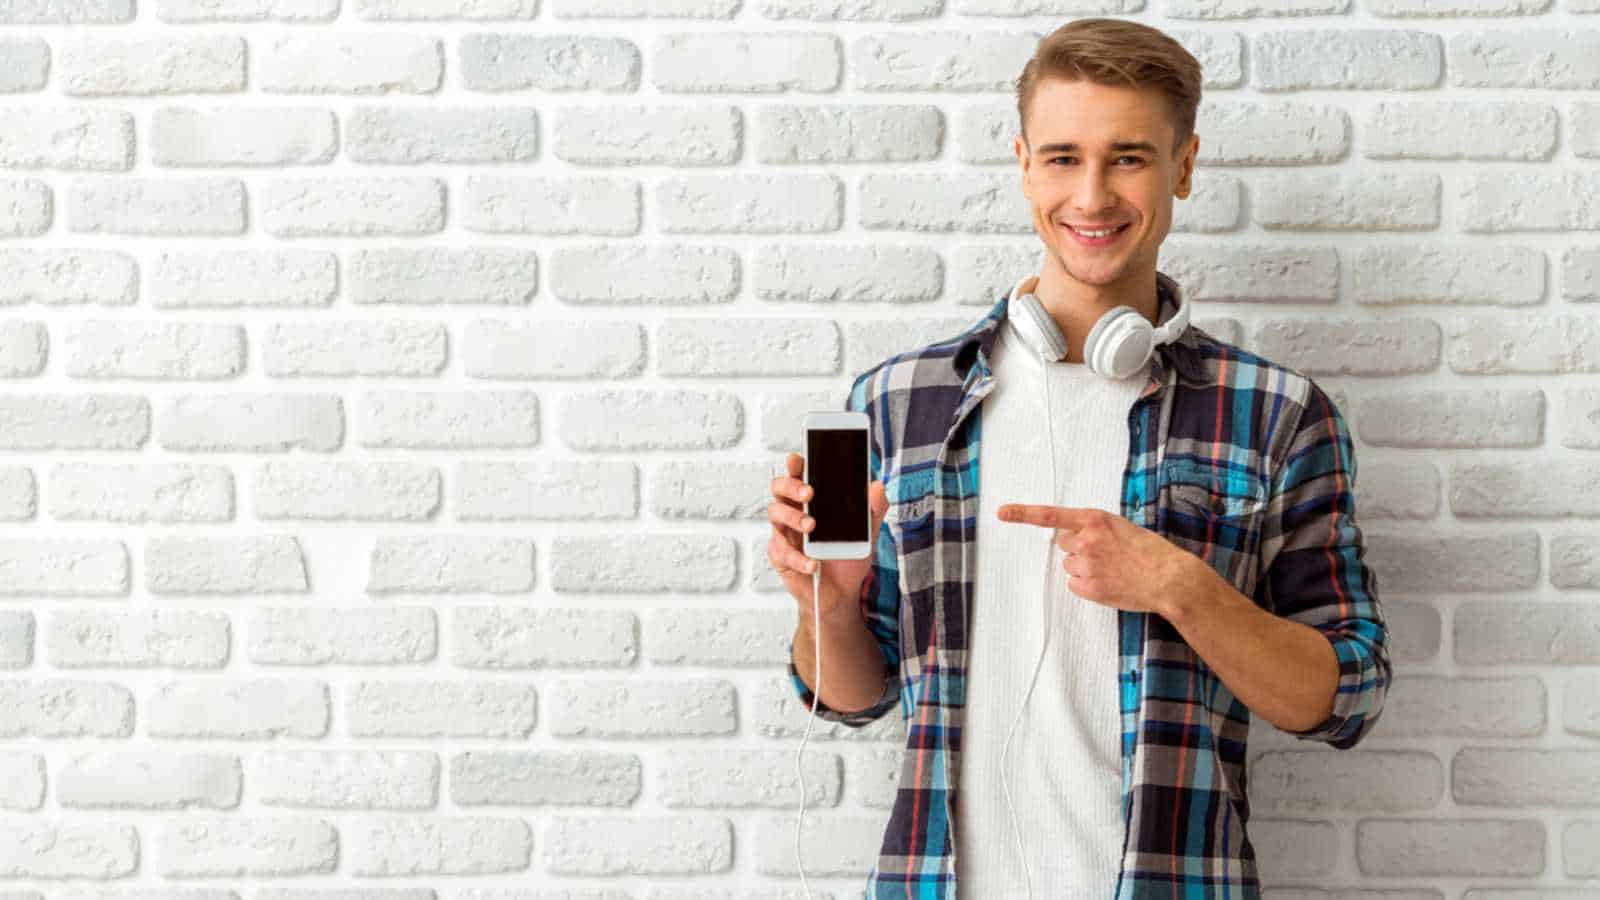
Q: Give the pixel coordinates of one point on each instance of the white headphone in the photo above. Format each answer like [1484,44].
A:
[1118,345]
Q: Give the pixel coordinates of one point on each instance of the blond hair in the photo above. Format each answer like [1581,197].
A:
[1116,52]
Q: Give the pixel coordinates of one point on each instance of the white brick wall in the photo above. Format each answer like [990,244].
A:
[389,391]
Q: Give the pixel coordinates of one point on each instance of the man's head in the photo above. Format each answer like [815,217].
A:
[1092,87]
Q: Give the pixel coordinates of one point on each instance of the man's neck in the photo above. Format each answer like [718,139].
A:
[1076,306]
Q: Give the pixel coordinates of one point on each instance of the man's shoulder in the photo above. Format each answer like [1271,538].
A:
[1229,365]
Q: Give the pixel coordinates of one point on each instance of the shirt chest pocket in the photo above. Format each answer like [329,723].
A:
[1214,491]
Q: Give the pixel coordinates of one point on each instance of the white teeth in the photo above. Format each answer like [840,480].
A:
[1095,234]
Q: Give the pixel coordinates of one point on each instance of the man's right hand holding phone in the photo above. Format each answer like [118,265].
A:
[840,590]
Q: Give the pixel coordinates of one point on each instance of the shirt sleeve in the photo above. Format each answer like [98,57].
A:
[1316,574]
[880,592]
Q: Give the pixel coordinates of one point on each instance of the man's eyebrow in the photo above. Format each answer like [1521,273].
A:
[1118,146]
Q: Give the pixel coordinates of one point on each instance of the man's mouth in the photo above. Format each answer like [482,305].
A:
[1098,237]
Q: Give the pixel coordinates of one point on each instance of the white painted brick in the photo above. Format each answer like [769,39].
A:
[24,62]
[43,275]
[1546,633]
[500,276]
[745,62]
[67,850]
[71,12]
[1370,201]
[627,708]
[1507,130]
[302,636]
[560,205]
[448,420]
[186,207]
[106,348]
[450,564]
[552,778]
[352,207]
[155,492]
[24,349]
[1394,59]
[831,846]
[377,134]
[1429,705]
[1459,275]
[1387,490]
[215,847]
[21,781]
[1364,781]
[257,422]
[170,638]
[634,274]
[1453,418]
[853,133]
[869,342]
[1505,490]
[1351,346]
[980,274]
[717,637]
[1585,126]
[846,273]
[1243,9]
[1497,201]
[875,774]
[511,62]
[735,779]
[706,892]
[63,567]
[1580,274]
[568,350]
[1270,133]
[170,64]
[1297,893]
[1578,418]
[1491,776]
[246,10]
[1414,631]
[1253,272]
[345,779]
[976,204]
[1216,204]
[1502,561]
[641,9]
[350,63]
[1485,345]
[243,278]
[638,845]
[149,779]
[19,494]
[504,637]
[1460,847]
[1578,841]
[711,490]
[257,708]
[783,420]
[27,206]
[750,204]
[62,707]
[939,61]
[642,563]
[432,10]
[486,709]
[252,136]
[552,490]
[640,420]
[393,491]
[224,564]
[73,421]
[1294,850]
[648,135]
[1524,57]
[392,347]
[16,641]
[736,347]
[416,845]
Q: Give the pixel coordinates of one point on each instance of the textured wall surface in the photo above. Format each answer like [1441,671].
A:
[389,392]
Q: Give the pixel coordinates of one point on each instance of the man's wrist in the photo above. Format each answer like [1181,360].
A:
[1196,591]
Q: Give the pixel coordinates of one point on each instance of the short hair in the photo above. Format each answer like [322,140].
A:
[1116,52]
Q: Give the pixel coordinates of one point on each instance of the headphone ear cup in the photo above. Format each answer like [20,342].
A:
[1039,329]
[1119,344]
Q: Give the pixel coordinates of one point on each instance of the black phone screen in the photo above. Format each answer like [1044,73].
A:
[836,468]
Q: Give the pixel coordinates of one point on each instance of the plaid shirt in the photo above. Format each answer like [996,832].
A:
[1243,462]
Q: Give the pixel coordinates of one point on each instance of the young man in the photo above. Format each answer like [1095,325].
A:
[1195,527]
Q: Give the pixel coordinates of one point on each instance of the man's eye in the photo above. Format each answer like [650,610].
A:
[1119,159]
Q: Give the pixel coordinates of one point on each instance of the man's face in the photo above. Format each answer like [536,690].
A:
[1095,184]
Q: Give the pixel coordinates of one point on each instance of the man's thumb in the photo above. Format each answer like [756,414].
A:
[878,502]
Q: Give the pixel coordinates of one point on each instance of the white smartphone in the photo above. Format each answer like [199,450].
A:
[838,470]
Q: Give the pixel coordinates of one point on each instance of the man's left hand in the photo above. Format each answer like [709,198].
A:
[1112,561]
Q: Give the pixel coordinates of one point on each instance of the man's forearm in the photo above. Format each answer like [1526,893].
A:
[855,670]
[1283,671]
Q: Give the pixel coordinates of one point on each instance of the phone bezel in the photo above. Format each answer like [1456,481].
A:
[834,420]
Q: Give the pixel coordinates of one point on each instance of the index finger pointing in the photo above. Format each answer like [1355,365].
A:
[1031,514]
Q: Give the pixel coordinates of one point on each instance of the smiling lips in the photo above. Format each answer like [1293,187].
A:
[1101,241]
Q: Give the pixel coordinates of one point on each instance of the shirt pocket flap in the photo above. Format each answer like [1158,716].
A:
[1222,491]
